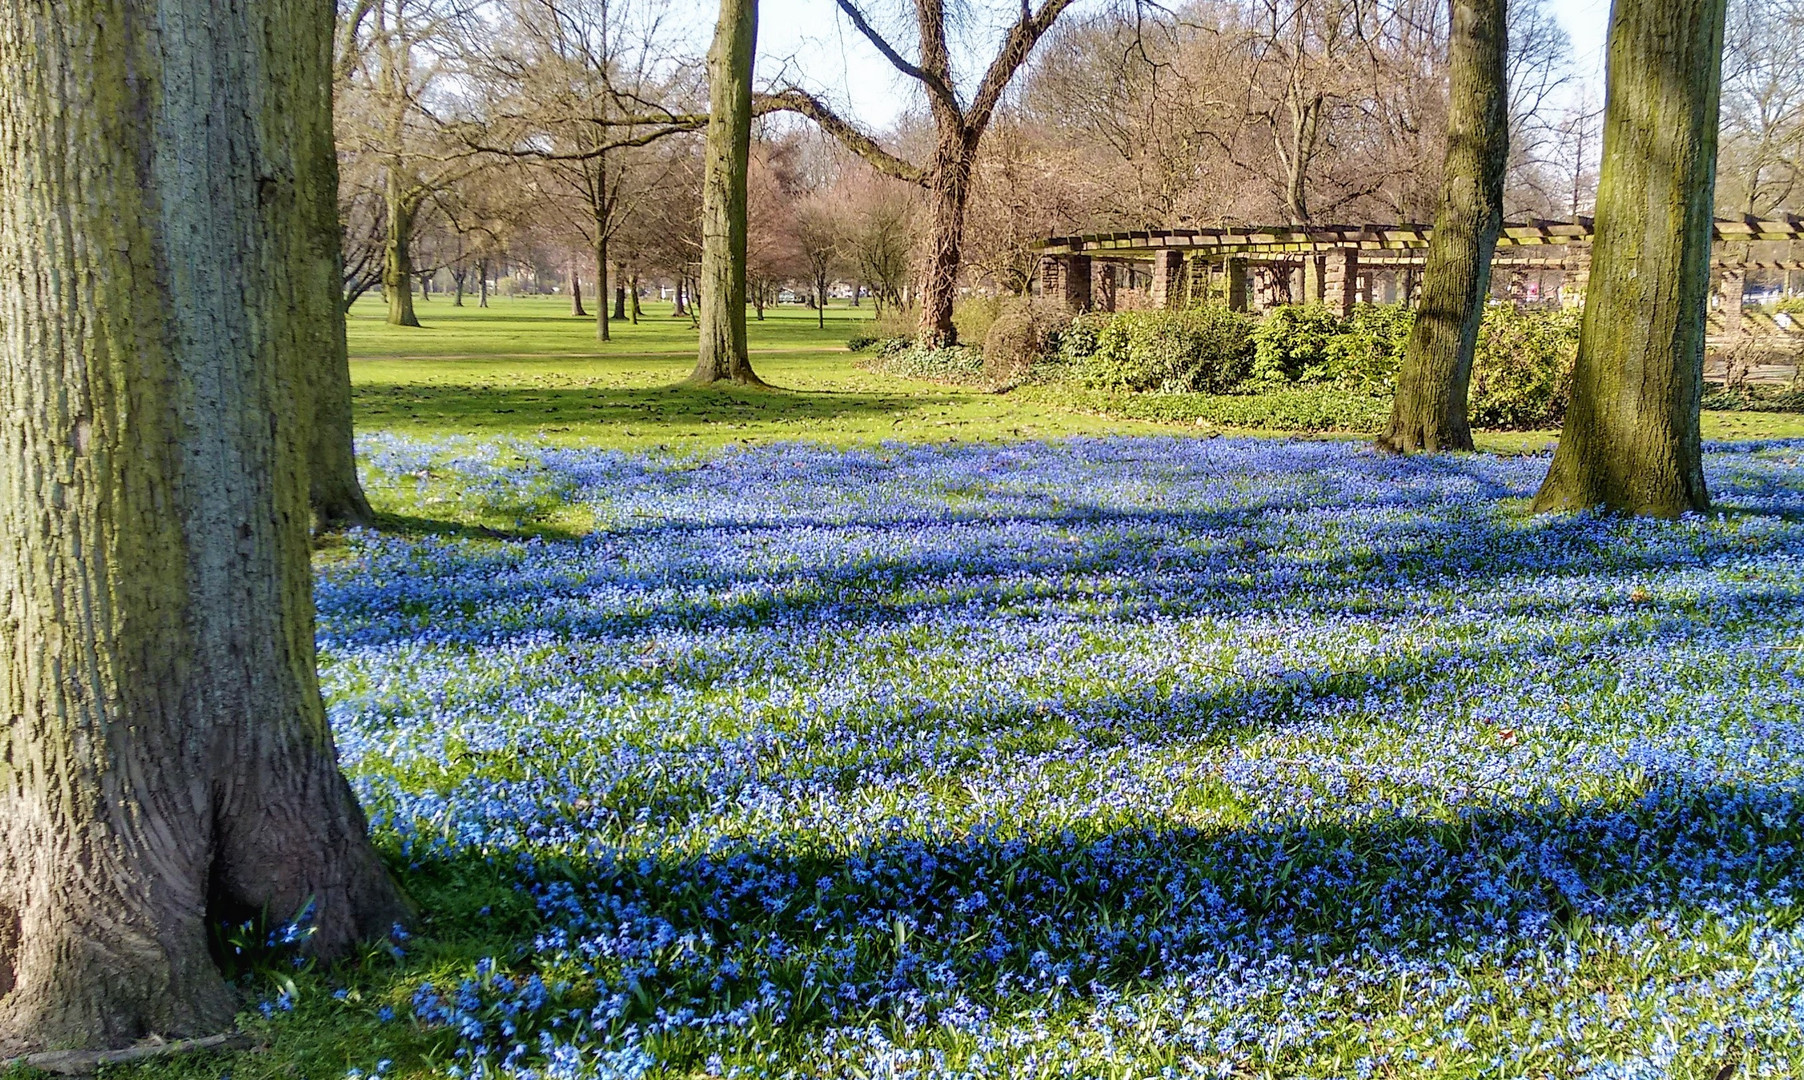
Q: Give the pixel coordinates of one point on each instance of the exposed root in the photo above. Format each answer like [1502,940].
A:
[87,1062]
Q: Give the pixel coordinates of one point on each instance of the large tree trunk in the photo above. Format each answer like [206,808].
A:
[482,283]
[1429,410]
[397,254]
[725,163]
[168,759]
[636,310]
[620,291]
[1631,441]
[950,190]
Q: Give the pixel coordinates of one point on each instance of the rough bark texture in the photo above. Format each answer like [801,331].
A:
[725,163]
[1631,441]
[1429,410]
[948,194]
[602,330]
[397,253]
[576,292]
[166,759]
[334,490]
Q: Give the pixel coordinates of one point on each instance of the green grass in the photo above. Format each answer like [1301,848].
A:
[525,367]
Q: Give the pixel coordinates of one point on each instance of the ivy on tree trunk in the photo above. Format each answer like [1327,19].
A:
[166,763]
[1631,442]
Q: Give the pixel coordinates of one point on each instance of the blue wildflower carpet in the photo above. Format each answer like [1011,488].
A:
[1118,757]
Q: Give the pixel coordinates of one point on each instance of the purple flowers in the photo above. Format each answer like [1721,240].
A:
[1126,754]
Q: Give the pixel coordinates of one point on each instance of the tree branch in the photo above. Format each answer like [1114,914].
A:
[1016,48]
[935,85]
[805,104]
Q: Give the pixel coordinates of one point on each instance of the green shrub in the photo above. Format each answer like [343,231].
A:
[1791,305]
[1368,350]
[1292,340]
[905,359]
[861,342]
[1291,408]
[1522,368]
[1755,398]
[1204,349]
[972,317]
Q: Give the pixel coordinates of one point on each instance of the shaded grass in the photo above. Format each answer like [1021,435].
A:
[526,368]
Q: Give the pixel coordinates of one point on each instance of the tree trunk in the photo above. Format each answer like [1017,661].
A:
[681,309]
[636,309]
[602,332]
[949,192]
[726,159]
[576,292]
[482,283]
[168,759]
[397,255]
[620,290]
[1631,441]
[457,285]
[1429,410]
[820,306]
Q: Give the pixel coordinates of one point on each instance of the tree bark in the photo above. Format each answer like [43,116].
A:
[722,354]
[576,292]
[1429,409]
[620,291]
[948,193]
[166,763]
[397,254]
[1631,441]
[482,283]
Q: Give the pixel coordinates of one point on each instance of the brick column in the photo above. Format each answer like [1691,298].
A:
[1167,289]
[1052,276]
[1573,282]
[1733,283]
[1237,284]
[1340,280]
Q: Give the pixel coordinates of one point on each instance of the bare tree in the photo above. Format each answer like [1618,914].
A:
[959,127]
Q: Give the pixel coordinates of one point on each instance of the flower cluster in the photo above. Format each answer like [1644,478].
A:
[1126,757]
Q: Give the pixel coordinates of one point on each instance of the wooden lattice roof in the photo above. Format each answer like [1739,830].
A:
[1276,239]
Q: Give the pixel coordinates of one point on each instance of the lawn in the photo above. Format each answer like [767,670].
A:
[824,746]
[525,367]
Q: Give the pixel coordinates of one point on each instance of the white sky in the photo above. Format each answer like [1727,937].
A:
[809,41]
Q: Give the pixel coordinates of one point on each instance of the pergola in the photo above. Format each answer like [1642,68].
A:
[1336,262]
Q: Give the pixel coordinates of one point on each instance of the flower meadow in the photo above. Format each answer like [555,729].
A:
[1118,757]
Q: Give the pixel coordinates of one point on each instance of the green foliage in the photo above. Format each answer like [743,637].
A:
[1369,349]
[1291,340]
[1791,305]
[1522,368]
[972,316]
[1293,408]
[953,364]
[1756,398]
[1024,334]
[861,342]
[1206,349]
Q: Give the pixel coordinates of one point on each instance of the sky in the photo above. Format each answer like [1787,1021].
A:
[810,42]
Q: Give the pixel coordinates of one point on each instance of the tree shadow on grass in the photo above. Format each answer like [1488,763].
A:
[511,407]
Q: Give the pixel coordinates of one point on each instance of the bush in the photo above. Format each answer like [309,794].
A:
[1368,350]
[1292,408]
[1024,333]
[1292,340]
[904,359]
[1522,369]
[972,317]
[1205,349]
[861,342]
[1755,398]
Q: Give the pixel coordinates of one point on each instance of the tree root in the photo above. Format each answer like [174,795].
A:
[87,1062]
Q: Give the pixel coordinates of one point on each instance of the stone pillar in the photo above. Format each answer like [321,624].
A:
[1237,283]
[1732,285]
[1052,276]
[1167,290]
[1573,282]
[1340,280]
[1105,291]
